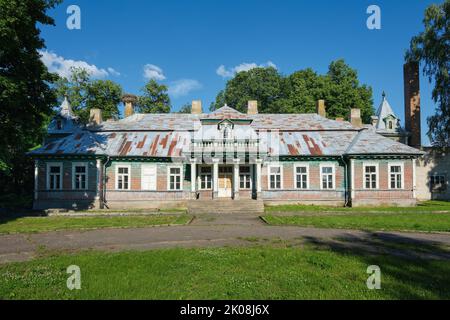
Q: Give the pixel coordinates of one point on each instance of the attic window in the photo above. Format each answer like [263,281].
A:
[390,125]
[59,125]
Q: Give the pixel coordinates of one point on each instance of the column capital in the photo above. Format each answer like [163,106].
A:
[215,160]
[258,161]
[236,161]
[193,160]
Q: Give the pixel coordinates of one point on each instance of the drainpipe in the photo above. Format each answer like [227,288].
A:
[345,181]
[108,159]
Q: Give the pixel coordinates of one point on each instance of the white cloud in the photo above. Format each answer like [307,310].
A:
[183,87]
[153,72]
[227,73]
[61,66]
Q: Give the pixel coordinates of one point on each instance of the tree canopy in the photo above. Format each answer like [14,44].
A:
[154,99]
[432,48]
[85,93]
[26,96]
[298,92]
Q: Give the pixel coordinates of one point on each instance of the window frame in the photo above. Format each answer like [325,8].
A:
[444,184]
[326,165]
[149,165]
[269,174]
[116,178]
[250,177]
[61,173]
[307,175]
[402,168]
[377,175]
[200,174]
[86,166]
[169,175]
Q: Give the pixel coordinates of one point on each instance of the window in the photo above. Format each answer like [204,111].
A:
[275,177]
[396,176]
[327,177]
[370,176]
[174,182]
[301,177]
[205,178]
[123,178]
[59,125]
[54,176]
[79,176]
[438,183]
[390,126]
[245,181]
[148,177]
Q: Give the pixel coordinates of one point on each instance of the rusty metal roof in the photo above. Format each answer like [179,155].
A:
[169,135]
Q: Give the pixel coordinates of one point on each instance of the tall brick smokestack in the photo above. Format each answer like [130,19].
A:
[412,103]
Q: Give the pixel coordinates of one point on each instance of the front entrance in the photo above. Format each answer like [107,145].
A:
[225,181]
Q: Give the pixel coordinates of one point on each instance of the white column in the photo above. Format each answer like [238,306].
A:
[215,178]
[258,178]
[36,179]
[193,176]
[352,179]
[236,178]
[98,202]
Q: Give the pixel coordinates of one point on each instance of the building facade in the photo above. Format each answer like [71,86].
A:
[169,160]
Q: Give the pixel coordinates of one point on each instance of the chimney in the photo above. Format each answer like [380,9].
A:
[355,117]
[320,108]
[129,100]
[374,120]
[412,103]
[196,107]
[252,107]
[95,116]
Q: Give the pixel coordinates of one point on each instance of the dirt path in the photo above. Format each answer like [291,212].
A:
[209,231]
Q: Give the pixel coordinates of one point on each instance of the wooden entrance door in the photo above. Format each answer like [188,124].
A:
[225,181]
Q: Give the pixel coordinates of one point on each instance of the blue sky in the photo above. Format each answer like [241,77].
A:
[183,43]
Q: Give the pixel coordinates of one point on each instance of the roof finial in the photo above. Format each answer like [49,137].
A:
[383,94]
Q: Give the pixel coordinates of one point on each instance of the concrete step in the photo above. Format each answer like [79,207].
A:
[221,206]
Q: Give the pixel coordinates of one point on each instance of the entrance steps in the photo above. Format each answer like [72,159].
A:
[224,206]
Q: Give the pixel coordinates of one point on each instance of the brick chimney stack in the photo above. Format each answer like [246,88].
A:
[355,117]
[320,108]
[252,107]
[412,103]
[196,107]
[129,100]
[95,116]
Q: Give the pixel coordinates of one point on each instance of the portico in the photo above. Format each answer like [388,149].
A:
[234,179]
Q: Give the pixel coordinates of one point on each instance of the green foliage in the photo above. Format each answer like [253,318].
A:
[26,97]
[186,108]
[154,99]
[432,48]
[85,93]
[299,92]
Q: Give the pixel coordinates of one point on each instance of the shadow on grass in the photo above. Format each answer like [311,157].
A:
[418,266]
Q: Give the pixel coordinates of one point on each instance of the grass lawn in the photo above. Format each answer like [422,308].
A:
[369,221]
[422,207]
[42,224]
[258,272]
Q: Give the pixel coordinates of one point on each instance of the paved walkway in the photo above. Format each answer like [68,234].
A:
[210,230]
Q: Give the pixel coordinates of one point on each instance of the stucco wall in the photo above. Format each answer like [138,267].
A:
[435,162]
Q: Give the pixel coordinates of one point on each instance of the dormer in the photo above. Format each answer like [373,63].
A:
[387,119]
[64,123]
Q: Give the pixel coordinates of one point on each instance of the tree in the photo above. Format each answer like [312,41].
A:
[299,92]
[343,92]
[154,99]
[432,48]
[186,108]
[26,97]
[85,93]
[262,84]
